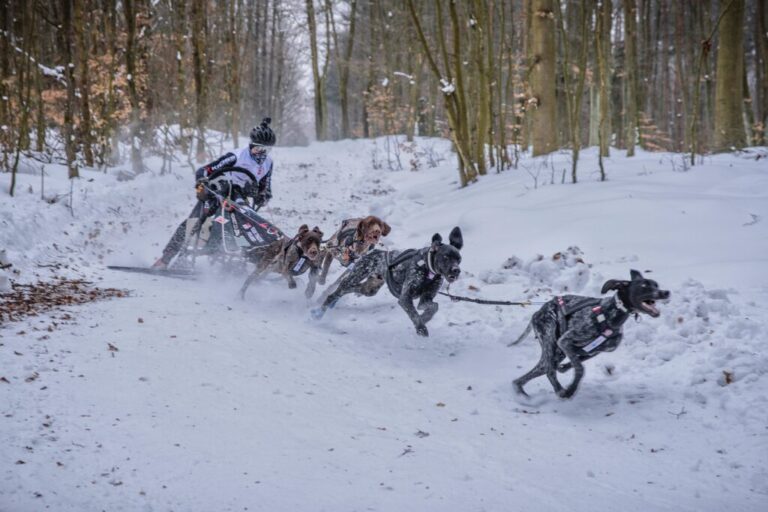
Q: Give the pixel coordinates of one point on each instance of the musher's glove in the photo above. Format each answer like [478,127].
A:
[251,190]
[261,200]
[200,189]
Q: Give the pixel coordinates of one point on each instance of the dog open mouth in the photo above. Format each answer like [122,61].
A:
[649,306]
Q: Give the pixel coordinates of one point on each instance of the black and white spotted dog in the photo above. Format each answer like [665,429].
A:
[579,328]
[409,275]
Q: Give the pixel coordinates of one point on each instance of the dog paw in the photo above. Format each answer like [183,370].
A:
[317,313]
[292,285]
[519,391]
[422,331]
[566,393]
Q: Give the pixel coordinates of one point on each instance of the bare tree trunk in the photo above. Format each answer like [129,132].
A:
[6,15]
[761,71]
[82,32]
[199,64]
[69,108]
[484,84]
[574,97]
[682,136]
[320,124]
[543,77]
[729,123]
[749,115]
[370,71]
[504,97]
[706,46]
[603,50]
[111,149]
[460,98]
[630,49]
[451,91]
[179,10]
[24,68]
[342,62]
[40,105]
[414,67]
[234,76]
[271,87]
[143,13]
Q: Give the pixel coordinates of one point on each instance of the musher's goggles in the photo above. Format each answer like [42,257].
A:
[259,149]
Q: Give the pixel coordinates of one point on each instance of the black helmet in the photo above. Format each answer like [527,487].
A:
[263,134]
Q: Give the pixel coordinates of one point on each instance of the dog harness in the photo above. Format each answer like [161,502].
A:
[346,240]
[396,288]
[302,264]
[610,335]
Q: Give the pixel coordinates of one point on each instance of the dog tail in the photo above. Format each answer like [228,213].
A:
[522,336]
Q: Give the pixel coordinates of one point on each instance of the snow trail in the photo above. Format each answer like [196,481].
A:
[208,402]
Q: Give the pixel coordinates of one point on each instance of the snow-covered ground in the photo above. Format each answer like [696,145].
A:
[213,403]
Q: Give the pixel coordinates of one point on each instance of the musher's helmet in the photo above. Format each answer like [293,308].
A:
[262,138]
[263,134]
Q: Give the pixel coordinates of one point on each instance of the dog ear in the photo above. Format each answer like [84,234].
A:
[385,228]
[362,227]
[303,229]
[436,239]
[316,229]
[455,238]
[613,284]
[634,274]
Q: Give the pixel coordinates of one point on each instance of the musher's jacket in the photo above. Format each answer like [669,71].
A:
[242,159]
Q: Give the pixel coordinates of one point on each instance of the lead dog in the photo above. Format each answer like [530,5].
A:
[410,275]
[579,328]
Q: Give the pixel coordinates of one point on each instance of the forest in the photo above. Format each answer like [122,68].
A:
[97,83]
[383,255]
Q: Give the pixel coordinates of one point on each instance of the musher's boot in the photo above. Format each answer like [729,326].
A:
[160,264]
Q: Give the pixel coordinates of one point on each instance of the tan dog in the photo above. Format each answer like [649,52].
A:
[354,238]
[292,257]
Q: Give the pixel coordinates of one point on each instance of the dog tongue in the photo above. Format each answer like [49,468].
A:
[650,308]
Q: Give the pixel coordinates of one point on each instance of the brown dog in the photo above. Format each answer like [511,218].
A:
[354,238]
[290,258]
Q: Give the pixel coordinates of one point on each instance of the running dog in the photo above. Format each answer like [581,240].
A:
[410,275]
[290,258]
[580,328]
[354,238]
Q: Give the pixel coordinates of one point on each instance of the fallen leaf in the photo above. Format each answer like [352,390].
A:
[112,348]
[440,404]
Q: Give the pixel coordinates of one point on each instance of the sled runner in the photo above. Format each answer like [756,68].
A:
[178,273]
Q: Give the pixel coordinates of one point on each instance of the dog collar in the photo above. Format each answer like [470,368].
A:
[620,304]
[432,272]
